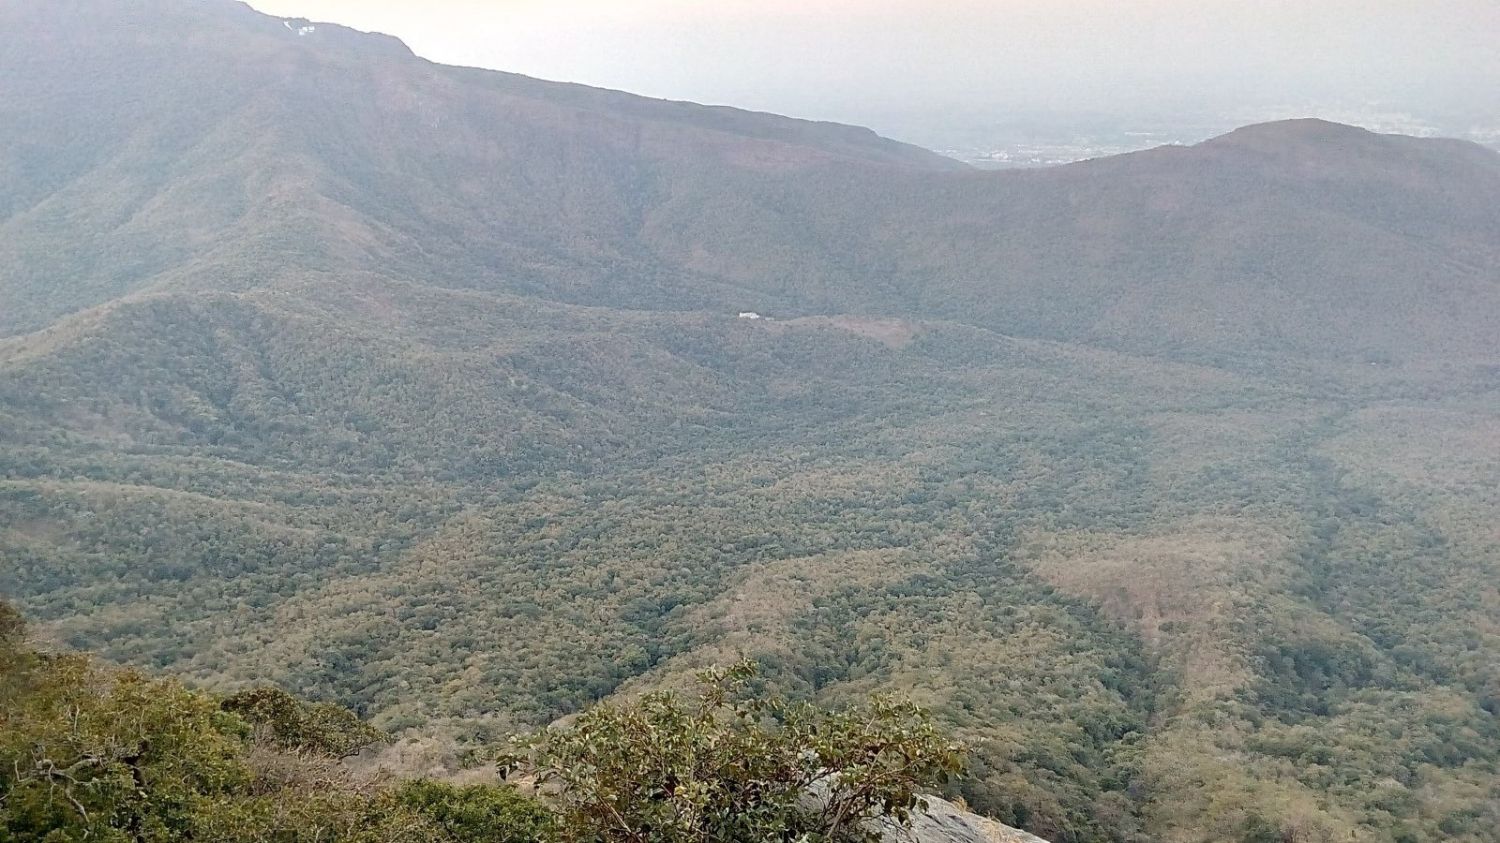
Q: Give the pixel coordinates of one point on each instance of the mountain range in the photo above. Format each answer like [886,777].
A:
[1167,480]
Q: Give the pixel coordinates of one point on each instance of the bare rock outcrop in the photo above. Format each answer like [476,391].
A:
[945,822]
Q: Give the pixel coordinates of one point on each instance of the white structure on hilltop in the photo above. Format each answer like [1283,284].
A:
[749,314]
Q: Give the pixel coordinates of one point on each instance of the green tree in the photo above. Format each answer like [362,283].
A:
[293,724]
[727,766]
[92,754]
[89,753]
[480,813]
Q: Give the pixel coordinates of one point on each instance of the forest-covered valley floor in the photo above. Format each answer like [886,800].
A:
[1116,577]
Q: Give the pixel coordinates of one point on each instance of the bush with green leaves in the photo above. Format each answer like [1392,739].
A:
[93,753]
[301,726]
[727,766]
[479,813]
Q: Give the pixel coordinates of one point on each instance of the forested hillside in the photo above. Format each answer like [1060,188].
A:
[1168,482]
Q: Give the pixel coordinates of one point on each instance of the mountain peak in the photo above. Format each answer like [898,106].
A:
[1307,133]
[1302,133]
[1304,128]
[1321,149]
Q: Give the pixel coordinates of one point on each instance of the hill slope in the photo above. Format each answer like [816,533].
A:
[464,514]
[224,150]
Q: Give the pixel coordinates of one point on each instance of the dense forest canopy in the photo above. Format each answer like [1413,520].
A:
[1168,483]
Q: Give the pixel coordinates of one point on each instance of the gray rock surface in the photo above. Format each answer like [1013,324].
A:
[944,822]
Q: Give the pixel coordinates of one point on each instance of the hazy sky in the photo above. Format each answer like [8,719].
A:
[888,61]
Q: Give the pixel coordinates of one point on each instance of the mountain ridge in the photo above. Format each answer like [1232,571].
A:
[477,178]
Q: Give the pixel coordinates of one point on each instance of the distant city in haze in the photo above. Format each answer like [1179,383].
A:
[1013,140]
[1012,83]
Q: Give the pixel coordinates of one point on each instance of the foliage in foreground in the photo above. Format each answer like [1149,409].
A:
[89,753]
[727,765]
[92,753]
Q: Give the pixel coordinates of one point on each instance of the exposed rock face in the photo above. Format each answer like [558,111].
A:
[944,822]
